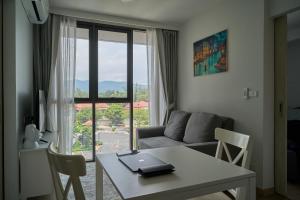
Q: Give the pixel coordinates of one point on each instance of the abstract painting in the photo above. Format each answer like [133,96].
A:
[210,54]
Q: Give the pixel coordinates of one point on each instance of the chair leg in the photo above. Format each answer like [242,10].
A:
[77,188]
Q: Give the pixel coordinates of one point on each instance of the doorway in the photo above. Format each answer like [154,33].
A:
[287,104]
[293,105]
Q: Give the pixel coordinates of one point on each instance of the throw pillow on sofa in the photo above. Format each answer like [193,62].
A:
[201,127]
[176,125]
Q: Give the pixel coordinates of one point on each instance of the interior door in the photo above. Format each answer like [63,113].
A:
[280,29]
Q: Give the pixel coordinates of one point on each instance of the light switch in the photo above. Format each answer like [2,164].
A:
[246,93]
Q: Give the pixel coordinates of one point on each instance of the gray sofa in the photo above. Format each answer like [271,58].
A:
[194,130]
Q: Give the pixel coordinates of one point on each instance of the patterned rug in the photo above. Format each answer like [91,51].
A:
[89,185]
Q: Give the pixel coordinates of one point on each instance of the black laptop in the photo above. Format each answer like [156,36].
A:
[145,164]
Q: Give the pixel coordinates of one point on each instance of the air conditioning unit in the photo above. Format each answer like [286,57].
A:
[36,10]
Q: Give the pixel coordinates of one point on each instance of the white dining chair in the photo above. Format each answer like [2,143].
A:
[70,165]
[241,158]
[238,140]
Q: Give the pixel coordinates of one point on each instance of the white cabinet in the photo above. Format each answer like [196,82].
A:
[35,172]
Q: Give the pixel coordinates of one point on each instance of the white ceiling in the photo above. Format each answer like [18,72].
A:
[163,11]
[294,20]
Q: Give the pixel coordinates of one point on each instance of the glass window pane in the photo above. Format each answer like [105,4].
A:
[140,80]
[112,127]
[82,63]
[112,64]
[83,131]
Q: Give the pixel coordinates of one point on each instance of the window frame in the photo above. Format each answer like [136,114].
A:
[93,74]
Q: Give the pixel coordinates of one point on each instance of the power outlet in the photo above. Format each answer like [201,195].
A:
[248,93]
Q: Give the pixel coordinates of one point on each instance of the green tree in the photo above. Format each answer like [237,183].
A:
[115,113]
[83,132]
[113,93]
[79,93]
[141,117]
[99,114]
[140,94]
[84,115]
[84,137]
[83,129]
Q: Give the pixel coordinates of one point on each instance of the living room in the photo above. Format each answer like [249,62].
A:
[130,64]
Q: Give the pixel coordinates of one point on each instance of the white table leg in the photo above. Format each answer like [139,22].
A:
[99,181]
[251,189]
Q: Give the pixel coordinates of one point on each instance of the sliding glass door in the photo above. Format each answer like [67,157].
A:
[113,113]
[140,100]
[83,139]
[108,105]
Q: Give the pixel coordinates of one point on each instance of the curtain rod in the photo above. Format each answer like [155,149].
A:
[109,19]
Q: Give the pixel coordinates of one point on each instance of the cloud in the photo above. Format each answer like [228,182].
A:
[112,59]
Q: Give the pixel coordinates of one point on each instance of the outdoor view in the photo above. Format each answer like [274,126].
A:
[112,120]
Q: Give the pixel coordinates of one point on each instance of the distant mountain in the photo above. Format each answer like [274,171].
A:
[82,85]
[111,85]
[106,85]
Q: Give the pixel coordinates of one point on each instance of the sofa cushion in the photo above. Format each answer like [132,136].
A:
[201,127]
[176,125]
[156,142]
[227,123]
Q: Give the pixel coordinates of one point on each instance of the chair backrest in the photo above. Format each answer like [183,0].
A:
[239,140]
[71,165]
[225,137]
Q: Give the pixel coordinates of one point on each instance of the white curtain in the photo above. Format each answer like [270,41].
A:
[157,102]
[62,82]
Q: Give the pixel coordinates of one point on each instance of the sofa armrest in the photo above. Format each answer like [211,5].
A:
[209,148]
[150,132]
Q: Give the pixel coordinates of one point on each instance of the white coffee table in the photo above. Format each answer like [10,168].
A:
[196,174]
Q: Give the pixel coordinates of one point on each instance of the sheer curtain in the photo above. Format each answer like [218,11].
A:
[62,82]
[168,57]
[157,102]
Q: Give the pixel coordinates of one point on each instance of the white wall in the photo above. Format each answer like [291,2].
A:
[293,73]
[17,73]
[9,84]
[24,67]
[222,93]
[267,139]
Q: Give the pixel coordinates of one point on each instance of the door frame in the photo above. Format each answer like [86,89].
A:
[280,103]
[1,104]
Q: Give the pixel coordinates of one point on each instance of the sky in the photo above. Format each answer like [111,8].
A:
[112,59]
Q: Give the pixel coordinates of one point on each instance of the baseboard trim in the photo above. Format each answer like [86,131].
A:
[265,192]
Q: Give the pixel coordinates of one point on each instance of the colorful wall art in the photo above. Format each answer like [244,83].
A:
[210,54]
